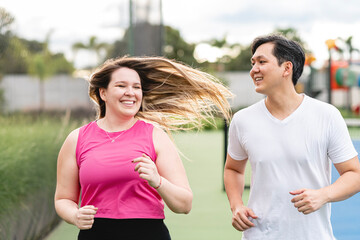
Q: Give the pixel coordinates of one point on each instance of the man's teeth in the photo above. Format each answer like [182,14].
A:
[258,79]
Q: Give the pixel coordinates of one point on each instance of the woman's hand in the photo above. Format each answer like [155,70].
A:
[84,218]
[147,170]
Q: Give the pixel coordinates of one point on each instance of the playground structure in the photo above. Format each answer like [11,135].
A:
[344,74]
[346,77]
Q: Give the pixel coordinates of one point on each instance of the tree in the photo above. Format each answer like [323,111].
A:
[15,57]
[177,48]
[6,19]
[292,34]
[350,47]
[242,61]
[93,46]
[42,67]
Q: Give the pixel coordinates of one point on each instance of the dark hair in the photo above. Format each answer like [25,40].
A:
[284,50]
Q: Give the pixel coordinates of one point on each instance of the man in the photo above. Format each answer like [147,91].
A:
[290,141]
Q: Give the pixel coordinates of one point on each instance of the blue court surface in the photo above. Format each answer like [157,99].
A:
[345,215]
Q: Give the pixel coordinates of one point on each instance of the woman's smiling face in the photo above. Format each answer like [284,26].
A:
[123,96]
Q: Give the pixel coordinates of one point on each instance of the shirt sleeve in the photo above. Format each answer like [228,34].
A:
[235,149]
[340,147]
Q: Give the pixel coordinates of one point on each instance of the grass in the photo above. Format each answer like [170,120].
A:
[210,217]
[29,147]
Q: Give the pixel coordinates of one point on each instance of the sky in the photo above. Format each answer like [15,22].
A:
[240,21]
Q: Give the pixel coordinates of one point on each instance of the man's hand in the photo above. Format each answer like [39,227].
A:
[308,200]
[240,219]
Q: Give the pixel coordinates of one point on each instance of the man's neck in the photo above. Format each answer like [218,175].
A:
[282,105]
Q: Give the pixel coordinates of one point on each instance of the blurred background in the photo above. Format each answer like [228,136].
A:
[49,49]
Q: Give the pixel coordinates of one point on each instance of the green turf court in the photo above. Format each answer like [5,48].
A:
[210,217]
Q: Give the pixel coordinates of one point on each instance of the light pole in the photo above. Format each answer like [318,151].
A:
[330,44]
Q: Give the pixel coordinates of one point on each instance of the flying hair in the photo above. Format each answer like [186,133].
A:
[175,96]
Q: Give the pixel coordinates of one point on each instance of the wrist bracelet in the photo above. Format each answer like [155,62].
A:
[159,183]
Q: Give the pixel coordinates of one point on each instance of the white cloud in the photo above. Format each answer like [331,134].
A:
[198,20]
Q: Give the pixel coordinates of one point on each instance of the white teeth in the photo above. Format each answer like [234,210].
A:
[128,102]
[258,79]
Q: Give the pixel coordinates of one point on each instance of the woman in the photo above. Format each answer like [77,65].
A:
[123,164]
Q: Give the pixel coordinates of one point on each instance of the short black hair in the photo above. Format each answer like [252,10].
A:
[284,50]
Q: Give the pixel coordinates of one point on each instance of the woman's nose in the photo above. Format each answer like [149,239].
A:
[129,91]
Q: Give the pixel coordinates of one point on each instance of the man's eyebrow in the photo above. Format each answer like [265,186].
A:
[256,57]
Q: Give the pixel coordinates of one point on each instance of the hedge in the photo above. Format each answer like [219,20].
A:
[29,147]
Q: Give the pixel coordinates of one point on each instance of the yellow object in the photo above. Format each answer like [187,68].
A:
[330,43]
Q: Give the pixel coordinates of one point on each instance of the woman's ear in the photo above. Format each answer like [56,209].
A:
[102,92]
[288,69]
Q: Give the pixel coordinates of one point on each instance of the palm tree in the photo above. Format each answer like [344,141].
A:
[350,47]
[93,46]
[41,66]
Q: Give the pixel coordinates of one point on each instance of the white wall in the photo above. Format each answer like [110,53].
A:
[64,92]
[241,84]
[21,93]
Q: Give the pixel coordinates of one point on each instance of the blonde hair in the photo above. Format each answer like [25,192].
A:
[175,96]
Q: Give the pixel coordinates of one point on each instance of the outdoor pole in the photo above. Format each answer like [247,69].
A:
[161,29]
[225,146]
[131,32]
[329,79]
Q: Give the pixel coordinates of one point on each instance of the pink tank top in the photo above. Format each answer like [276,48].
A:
[106,172]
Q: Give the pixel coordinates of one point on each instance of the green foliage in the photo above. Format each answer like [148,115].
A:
[93,45]
[242,61]
[6,19]
[17,55]
[346,113]
[14,58]
[236,57]
[118,48]
[61,65]
[29,147]
[2,98]
[177,48]
[38,67]
[292,34]
[21,54]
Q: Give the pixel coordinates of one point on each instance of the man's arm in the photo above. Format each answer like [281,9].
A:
[348,184]
[234,180]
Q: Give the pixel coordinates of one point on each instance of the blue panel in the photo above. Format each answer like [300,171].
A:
[345,216]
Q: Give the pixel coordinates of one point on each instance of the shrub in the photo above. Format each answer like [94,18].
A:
[29,146]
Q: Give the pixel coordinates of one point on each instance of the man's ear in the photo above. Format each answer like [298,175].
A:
[102,92]
[288,69]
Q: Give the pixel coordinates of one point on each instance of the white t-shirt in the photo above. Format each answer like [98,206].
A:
[287,155]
